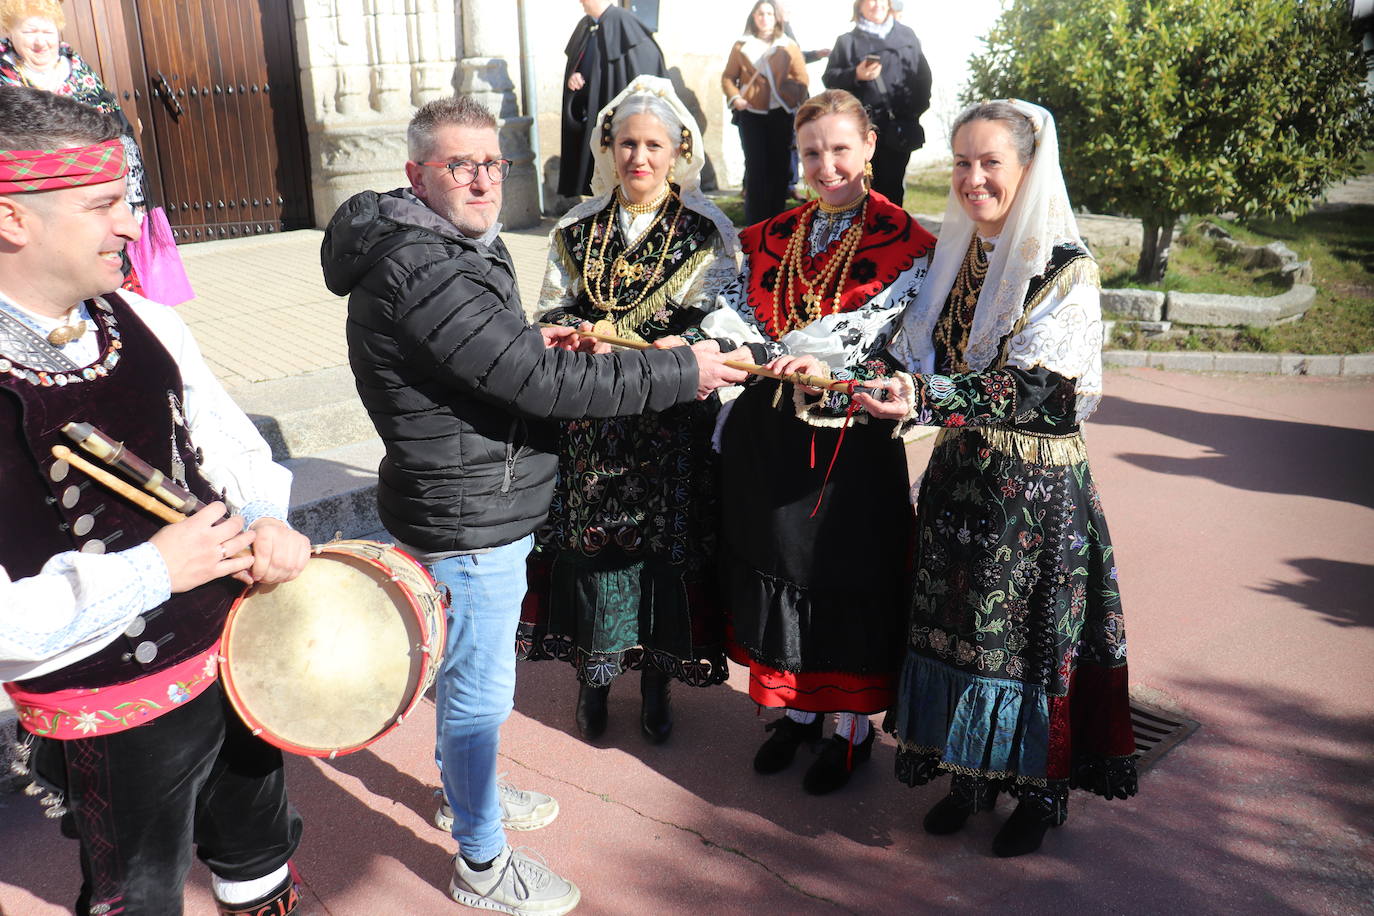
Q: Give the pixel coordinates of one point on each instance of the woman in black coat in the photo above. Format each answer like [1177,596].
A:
[881,63]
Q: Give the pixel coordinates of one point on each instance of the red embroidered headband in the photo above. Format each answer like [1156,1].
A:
[49,169]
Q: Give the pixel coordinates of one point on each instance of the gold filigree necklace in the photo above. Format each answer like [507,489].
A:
[952,330]
[791,274]
[604,283]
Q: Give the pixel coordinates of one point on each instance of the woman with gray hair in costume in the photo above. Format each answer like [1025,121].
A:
[1015,672]
[623,575]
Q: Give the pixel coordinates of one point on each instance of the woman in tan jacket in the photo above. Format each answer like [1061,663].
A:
[765,82]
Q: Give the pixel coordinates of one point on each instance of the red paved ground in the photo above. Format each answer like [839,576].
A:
[1242,509]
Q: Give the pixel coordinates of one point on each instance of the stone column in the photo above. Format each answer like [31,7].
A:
[490,70]
[366,65]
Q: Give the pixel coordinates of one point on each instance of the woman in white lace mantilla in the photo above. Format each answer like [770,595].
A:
[623,575]
[1015,608]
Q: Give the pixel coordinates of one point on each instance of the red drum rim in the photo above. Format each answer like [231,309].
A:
[429,654]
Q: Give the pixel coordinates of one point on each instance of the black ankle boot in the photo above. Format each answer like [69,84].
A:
[966,797]
[656,711]
[836,761]
[591,711]
[777,752]
[1025,829]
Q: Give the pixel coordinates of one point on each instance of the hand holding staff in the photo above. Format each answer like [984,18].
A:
[196,550]
[796,378]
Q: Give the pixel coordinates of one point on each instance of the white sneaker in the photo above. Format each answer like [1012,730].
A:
[520,809]
[515,883]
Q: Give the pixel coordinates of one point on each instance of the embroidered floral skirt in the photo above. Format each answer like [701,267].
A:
[1015,670]
[816,602]
[623,573]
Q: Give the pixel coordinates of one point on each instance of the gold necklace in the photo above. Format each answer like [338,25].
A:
[622,271]
[827,208]
[786,317]
[640,209]
[956,321]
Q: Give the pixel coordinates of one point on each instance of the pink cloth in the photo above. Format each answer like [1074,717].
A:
[87,712]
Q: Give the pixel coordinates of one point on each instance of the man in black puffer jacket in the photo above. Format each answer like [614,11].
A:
[465,395]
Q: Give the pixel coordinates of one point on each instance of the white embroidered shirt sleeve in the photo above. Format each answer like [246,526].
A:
[1064,334]
[732,317]
[77,604]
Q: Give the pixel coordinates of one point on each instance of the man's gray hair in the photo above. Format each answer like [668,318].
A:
[651,104]
[32,119]
[458,110]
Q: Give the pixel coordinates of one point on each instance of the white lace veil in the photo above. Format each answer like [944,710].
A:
[686,173]
[1040,219]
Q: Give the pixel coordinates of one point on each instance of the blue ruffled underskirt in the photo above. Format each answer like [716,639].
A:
[978,725]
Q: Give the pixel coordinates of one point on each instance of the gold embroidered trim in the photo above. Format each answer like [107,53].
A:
[1037,448]
[626,324]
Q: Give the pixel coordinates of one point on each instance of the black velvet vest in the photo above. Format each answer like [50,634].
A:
[48,507]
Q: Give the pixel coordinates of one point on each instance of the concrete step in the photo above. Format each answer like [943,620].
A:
[334,491]
[307,413]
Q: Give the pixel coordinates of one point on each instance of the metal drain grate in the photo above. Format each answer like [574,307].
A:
[1157,732]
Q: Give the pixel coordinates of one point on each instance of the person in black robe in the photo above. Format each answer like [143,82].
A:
[608,49]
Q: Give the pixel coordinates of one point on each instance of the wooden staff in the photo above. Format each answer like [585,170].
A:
[128,491]
[796,378]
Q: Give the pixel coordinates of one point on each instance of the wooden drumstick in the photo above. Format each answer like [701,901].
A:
[129,492]
[796,378]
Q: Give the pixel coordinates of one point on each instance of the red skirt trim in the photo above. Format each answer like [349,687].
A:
[817,691]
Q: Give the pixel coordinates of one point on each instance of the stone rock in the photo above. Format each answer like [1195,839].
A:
[1247,362]
[1358,364]
[1110,231]
[1300,364]
[1213,231]
[1125,359]
[1215,310]
[1153,328]
[1195,362]
[1138,304]
[1269,257]
[1297,272]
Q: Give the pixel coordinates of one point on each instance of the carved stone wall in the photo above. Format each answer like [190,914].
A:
[366,65]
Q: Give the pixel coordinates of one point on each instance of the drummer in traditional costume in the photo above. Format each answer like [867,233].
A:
[109,621]
[1015,671]
[624,574]
[812,555]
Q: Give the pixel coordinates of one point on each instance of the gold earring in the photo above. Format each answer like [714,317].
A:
[868,175]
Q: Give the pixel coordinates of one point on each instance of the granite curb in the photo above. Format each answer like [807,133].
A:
[1353,364]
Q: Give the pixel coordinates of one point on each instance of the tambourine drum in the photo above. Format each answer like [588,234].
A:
[336,658]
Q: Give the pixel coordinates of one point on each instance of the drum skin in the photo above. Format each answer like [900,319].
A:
[328,663]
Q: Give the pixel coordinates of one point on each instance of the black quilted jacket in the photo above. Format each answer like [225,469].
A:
[461,389]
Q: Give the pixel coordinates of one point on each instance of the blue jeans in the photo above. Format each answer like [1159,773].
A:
[475,690]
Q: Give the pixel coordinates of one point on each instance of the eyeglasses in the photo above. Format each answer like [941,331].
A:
[464,171]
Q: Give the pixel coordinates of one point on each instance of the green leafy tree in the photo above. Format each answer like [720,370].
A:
[1166,107]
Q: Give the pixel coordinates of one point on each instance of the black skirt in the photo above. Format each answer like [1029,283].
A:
[822,592]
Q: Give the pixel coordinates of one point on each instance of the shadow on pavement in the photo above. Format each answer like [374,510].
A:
[1336,590]
[710,754]
[1304,459]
